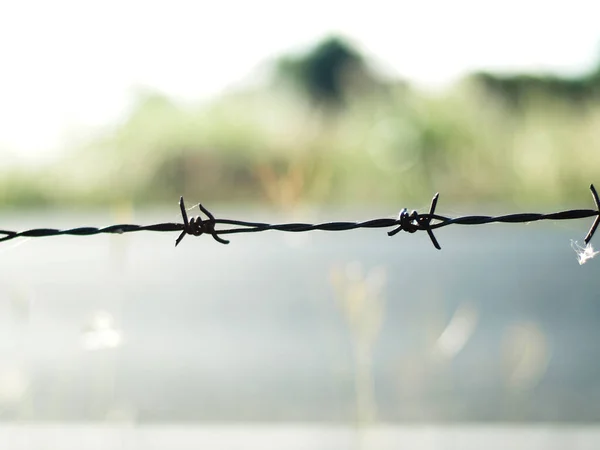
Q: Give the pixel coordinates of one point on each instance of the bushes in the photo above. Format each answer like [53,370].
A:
[271,145]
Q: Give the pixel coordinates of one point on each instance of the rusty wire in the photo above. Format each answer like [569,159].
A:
[409,222]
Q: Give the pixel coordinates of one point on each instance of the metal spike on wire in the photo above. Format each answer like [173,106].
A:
[409,222]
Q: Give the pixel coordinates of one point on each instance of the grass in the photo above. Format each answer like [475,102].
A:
[272,146]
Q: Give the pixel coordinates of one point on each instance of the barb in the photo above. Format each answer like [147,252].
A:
[409,222]
[196,226]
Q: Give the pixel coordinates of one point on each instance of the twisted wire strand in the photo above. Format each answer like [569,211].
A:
[408,222]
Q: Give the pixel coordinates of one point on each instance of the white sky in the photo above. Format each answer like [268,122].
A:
[71,64]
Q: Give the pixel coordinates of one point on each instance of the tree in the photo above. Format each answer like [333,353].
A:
[324,71]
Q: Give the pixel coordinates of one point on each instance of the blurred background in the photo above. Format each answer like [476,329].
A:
[298,111]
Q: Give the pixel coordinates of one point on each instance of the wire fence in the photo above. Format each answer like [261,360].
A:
[409,222]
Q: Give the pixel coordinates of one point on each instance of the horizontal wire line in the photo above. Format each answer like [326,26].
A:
[409,222]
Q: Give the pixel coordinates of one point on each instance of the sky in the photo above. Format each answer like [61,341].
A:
[70,66]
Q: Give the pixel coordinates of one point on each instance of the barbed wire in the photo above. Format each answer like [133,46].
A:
[409,222]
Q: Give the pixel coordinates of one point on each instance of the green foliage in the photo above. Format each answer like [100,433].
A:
[390,145]
[518,90]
